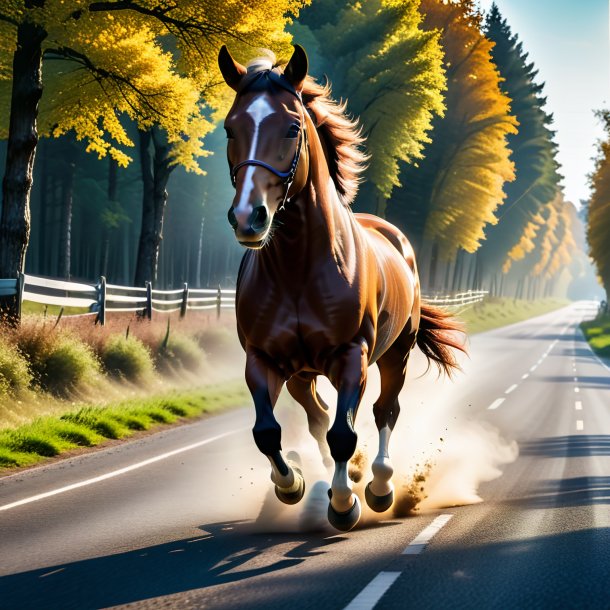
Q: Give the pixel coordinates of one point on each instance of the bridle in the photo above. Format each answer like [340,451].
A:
[288,176]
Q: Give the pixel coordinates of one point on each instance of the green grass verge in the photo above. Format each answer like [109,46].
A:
[597,333]
[88,426]
[495,312]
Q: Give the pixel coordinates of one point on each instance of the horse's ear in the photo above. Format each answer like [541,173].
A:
[231,70]
[296,70]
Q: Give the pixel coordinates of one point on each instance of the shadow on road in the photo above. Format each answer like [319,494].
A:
[591,382]
[556,571]
[581,445]
[224,553]
[561,493]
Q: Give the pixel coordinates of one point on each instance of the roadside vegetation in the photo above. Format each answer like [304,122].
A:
[494,312]
[597,333]
[86,426]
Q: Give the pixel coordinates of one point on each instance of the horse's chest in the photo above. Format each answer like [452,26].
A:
[297,331]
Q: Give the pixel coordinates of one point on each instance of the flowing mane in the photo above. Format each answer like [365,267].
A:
[341,135]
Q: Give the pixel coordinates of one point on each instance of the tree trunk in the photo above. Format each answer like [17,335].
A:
[65,226]
[200,251]
[21,150]
[156,171]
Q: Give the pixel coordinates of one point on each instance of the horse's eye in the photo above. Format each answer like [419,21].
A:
[293,131]
[229,133]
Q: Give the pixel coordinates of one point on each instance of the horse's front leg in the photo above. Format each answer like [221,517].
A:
[265,383]
[348,375]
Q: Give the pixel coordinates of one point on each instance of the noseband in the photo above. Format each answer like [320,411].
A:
[288,176]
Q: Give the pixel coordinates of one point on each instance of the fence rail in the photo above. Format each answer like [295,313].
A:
[103,298]
[461,299]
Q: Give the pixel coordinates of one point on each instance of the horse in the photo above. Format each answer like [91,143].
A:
[320,290]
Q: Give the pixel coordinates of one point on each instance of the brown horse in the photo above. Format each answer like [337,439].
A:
[321,290]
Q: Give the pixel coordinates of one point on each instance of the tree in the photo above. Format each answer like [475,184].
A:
[536,169]
[379,58]
[450,195]
[103,60]
[598,225]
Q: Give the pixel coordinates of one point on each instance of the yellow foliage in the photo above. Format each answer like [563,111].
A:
[154,63]
[475,161]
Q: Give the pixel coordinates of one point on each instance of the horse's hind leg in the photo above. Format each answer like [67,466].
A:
[392,365]
[265,383]
[303,390]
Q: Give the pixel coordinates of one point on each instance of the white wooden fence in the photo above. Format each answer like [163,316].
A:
[103,298]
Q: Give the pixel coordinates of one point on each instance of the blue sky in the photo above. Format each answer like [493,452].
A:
[569,44]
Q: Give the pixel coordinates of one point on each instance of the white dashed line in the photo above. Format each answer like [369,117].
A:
[578,405]
[419,543]
[116,473]
[525,376]
[577,390]
[580,424]
[495,404]
[373,592]
[512,387]
[533,368]
[368,598]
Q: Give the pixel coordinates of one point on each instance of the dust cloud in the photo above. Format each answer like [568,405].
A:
[441,454]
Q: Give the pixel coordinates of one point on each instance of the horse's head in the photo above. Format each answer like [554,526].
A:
[267,148]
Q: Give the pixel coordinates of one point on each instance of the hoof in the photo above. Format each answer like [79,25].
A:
[344,522]
[378,503]
[294,496]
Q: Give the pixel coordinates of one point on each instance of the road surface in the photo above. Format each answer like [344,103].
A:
[184,518]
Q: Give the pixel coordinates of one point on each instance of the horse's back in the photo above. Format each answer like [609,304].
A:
[394,235]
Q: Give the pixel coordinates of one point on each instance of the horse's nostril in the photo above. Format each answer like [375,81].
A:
[258,218]
[232,218]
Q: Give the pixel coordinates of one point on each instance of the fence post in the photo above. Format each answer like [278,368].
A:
[218,301]
[101,301]
[149,300]
[185,300]
[20,286]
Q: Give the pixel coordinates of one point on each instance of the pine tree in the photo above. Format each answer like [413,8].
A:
[534,151]
[598,224]
[450,195]
[389,69]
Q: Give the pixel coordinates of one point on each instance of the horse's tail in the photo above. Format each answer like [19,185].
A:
[436,340]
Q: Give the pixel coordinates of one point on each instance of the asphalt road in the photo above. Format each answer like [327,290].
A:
[185,519]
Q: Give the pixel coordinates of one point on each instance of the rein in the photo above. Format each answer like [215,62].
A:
[288,176]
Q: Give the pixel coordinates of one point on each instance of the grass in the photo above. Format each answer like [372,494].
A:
[127,358]
[87,426]
[597,333]
[495,312]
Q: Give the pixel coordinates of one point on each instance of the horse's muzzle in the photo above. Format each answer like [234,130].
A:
[252,230]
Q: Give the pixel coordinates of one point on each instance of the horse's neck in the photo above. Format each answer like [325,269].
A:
[315,227]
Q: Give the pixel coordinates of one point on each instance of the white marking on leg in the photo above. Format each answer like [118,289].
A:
[381,485]
[342,499]
[288,483]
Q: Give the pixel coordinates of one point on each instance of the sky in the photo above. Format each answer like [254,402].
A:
[568,41]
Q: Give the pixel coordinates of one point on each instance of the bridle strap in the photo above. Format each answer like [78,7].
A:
[288,176]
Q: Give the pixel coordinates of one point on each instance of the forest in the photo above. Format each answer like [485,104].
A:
[115,159]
